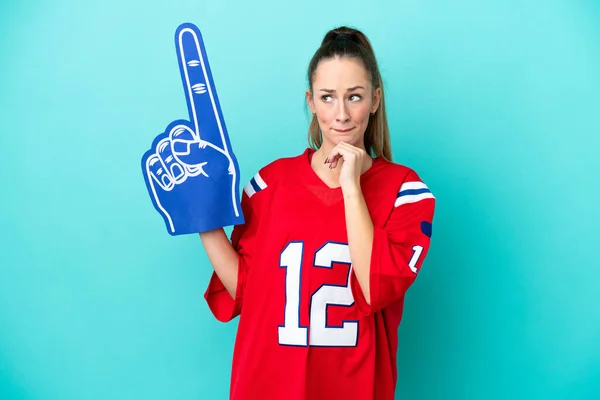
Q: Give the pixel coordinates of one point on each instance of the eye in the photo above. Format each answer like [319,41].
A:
[326,98]
[355,97]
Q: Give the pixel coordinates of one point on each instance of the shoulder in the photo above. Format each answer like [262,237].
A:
[284,164]
[405,182]
[395,173]
[270,174]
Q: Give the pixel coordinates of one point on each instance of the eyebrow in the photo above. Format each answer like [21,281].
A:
[349,89]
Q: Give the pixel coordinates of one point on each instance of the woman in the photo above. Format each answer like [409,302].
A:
[332,240]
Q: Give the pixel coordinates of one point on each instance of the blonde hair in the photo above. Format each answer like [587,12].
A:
[352,43]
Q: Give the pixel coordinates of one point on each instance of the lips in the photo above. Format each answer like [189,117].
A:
[343,130]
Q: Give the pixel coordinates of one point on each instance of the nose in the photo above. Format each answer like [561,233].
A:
[342,112]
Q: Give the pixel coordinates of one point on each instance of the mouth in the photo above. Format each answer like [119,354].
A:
[343,130]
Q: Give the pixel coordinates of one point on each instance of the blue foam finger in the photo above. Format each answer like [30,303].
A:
[190,171]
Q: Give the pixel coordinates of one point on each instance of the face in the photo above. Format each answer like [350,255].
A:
[343,100]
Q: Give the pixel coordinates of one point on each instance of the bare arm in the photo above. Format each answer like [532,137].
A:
[360,238]
[359,226]
[223,257]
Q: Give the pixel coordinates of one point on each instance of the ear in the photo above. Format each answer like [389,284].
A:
[376,100]
[310,101]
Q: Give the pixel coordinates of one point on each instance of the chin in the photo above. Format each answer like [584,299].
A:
[350,139]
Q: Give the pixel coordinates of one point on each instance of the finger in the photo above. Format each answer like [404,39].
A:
[157,172]
[193,154]
[349,148]
[343,151]
[334,156]
[333,159]
[203,103]
[336,162]
[184,146]
[165,152]
[182,138]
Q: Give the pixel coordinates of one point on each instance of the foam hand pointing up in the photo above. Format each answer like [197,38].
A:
[190,171]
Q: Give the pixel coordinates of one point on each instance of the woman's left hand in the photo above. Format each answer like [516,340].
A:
[355,162]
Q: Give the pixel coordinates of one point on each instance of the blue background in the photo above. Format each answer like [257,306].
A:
[495,104]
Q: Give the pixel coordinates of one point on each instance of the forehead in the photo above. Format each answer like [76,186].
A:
[340,72]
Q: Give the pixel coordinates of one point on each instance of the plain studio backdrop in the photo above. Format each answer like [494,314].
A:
[495,104]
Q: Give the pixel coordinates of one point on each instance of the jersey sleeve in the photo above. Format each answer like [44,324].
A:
[399,247]
[243,238]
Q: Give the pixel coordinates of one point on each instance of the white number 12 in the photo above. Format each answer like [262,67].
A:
[321,334]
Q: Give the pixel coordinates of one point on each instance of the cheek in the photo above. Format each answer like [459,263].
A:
[361,112]
[325,114]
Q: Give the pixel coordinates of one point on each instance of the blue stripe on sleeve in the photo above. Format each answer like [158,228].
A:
[255,185]
[412,192]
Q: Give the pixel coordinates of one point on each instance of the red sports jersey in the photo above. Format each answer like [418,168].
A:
[306,331]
